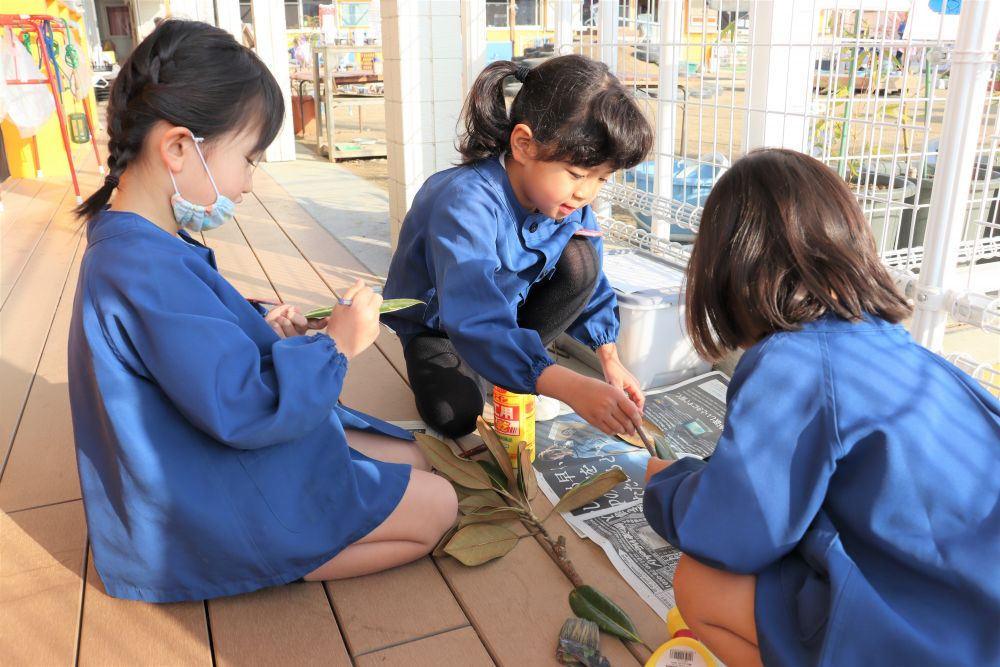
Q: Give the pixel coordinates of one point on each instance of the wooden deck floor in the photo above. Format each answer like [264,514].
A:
[53,609]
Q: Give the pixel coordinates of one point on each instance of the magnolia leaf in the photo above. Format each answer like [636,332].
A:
[493,470]
[490,497]
[480,543]
[498,451]
[526,479]
[634,440]
[492,515]
[460,471]
[586,602]
[388,306]
[590,490]
[479,503]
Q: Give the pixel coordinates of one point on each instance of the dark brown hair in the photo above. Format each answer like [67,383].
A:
[192,75]
[782,241]
[577,110]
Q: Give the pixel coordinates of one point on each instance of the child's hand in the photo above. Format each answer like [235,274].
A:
[606,407]
[287,320]
[354,327]
[618,376]
[654,466]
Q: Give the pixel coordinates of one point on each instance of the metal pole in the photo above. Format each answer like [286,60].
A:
[670,15]
[970,69]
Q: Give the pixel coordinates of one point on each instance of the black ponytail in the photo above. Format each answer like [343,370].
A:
[577,110]
[487,127]
[192,75]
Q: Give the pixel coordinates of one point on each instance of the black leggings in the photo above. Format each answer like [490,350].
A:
[449,394]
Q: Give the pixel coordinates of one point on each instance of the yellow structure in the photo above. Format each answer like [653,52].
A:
[51,153]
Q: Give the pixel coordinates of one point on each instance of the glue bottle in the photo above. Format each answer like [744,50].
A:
[682,650]
[514,421]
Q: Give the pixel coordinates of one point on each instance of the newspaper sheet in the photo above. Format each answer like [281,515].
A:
[569,451]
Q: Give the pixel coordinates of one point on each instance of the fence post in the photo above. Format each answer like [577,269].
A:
[970,69]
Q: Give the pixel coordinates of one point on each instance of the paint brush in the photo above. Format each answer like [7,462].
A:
[646,441]
[579,644]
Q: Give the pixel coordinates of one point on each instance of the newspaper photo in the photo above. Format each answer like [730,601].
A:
[569,451]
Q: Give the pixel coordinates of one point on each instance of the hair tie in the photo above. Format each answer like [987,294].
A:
[521,73]
[111,180]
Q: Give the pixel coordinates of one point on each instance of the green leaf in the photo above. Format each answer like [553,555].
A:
[388,306]
[480,543]
[493,470]
[460,471]
[590,490]
[498,451]
[526,479]
[586,602]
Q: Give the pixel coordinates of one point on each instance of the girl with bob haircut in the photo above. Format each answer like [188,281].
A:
[849,514]
[214,456]
[506,251]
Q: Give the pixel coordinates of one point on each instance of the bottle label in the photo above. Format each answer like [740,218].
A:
[514,421]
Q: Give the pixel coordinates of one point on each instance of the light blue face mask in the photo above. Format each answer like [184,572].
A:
[197,218]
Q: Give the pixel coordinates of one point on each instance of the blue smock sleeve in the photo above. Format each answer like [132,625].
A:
[599,322]
[475,314]
[230,376]
[753,502]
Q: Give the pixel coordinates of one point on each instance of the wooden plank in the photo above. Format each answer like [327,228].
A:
[41,468]
[41,564]
[458,647]
[300,628]
[26,316]
[237,261]
[331,260]
[413,602]
[593,566]
[20,239]
[518,603]
[16,199]
[373,385]
[129,633]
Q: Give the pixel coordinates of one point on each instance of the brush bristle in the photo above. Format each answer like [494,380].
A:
[581,631]
[579,642]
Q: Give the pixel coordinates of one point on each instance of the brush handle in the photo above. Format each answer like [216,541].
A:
[646,441]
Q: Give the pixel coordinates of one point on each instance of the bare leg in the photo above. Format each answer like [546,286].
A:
[427,509]
[719,607]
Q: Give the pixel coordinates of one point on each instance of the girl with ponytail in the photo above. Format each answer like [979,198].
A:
[506,252]
[211,444]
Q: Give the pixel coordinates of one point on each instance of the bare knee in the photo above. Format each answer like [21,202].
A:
[442,504]
[686,588]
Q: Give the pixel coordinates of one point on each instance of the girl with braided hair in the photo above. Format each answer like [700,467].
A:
[213,453]
[506,252]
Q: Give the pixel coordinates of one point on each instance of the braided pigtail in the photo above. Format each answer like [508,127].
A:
[191,75]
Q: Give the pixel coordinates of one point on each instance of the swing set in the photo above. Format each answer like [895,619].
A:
[75,127]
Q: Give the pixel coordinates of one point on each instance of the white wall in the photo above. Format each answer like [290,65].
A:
[431,56]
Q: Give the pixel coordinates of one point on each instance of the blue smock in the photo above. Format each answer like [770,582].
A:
[211,452]
[471,252]
[857,476]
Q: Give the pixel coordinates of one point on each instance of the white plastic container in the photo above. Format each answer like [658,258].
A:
[652,343]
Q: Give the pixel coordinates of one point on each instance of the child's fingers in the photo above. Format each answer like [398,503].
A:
[353,290]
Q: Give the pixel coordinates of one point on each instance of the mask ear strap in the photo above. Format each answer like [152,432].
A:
[171,174]
[198,140]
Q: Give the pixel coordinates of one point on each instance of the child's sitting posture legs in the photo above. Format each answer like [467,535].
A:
[449,394]
[719,608]
[426,510]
